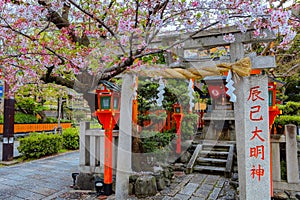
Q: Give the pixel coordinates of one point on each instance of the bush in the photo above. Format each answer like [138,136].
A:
[153,140]
[51,120]
[22,118]
[189,125]
[55,120]
[283,120]
[70,138]
[66,121]
[290,108]
[39,145]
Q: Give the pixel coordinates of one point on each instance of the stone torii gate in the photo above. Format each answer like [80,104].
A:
[251,110]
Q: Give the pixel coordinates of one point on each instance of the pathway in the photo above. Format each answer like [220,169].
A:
[50,178]
[195,187]
[46,178]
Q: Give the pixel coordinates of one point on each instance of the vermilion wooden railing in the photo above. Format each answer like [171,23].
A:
[27,128]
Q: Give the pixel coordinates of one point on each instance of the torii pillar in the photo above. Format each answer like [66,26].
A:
[124,168]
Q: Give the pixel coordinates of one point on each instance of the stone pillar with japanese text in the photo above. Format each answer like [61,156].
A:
[252,133]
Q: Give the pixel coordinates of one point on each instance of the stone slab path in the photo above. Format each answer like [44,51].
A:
[50,179]
[195,187]
[46,178]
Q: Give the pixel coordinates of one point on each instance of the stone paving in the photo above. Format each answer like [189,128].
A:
[46,178]
[50,178]
[194,187]
[200,186]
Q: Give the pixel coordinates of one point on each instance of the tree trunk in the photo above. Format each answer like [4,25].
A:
[42,115]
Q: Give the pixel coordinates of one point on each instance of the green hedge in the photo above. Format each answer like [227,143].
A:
[39,145]
[70,138]
[23,118]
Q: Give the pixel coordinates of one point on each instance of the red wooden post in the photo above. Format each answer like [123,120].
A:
[178,133]
[106,120]
[178,118]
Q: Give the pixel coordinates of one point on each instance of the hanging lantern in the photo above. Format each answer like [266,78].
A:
[177,108]
[108,100]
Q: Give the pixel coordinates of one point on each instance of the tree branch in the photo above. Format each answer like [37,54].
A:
[46,27]
[136,13]
[24,54]
[286,74]
[48,78]
[266,49]
[100,22]
[32,39]
[63,22]
[65,12]
[93,17]
[164,6]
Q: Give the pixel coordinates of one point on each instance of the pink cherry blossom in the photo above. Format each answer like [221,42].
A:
[94,37]
[229,38]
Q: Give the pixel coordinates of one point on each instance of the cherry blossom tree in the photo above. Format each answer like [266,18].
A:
[77,43]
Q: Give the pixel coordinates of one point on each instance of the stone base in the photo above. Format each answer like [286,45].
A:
[149,183]
[85,181]
[145,186]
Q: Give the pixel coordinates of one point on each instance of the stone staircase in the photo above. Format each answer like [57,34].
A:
[212,157]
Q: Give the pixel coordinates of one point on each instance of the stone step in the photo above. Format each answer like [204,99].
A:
[212,157]
[215,147]
[217,144]
[211,160]
[209,168]
[213,153]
